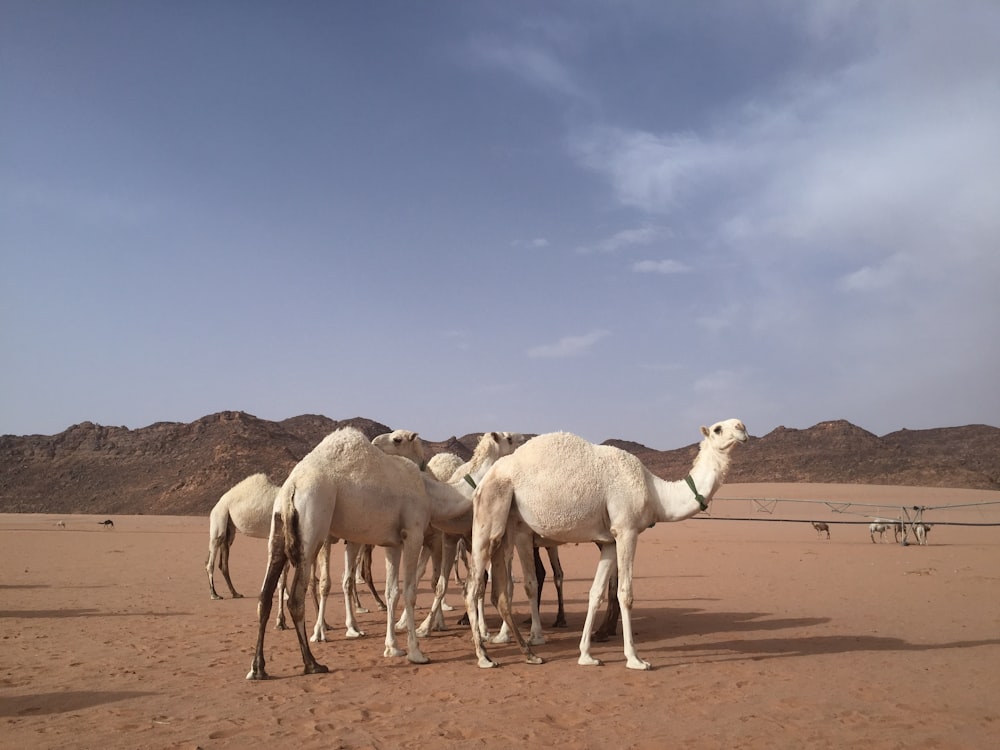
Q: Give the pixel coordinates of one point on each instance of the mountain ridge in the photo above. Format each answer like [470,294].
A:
[183,468]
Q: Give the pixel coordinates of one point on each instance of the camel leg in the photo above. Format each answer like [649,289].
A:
[321,591]
[350,561]
[224,567]
[213,553]
[539,576]
[626,555]
[279,623]
[412,544]
[527,553]
[475,590]
[557,579]
[297,610]
[610,625]
[605,567]
[366,573]
[434,619]
[276,565]
[502,593]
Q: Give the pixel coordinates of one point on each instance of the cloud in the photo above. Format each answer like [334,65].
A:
[536,242]
[660,266]
[640,236]
[529,63]
[568,346]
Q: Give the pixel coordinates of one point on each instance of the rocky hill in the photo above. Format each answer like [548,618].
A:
[182,469]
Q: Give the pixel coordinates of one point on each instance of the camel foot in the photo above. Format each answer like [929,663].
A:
[536,639]
[237,596]
[640,664]
[532,659]
[256,673]
[216,596]
[500,638]
[315,668]
[392,651]
[353,633]
[447,607]
[362,610]
[417,657]
[486,662]
[560,623]
[314,638]
[464,619]
[586,660]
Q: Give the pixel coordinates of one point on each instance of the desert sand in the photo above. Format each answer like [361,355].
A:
[761,635]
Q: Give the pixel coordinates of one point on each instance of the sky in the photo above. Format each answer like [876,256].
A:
[621,219]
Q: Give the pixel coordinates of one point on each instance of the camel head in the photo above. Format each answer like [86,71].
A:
[402,443]
[511,441]
[722,436]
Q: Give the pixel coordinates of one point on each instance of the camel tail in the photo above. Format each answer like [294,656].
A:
[290,522]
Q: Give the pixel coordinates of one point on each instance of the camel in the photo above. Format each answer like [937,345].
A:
[563,489]
[247,508]
[349,489]
[107,524]
[921,530]
[820,528]
[878,527]
[445,536]
[60,524]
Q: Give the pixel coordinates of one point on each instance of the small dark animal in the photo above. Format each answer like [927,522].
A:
[108,524]
[820,528]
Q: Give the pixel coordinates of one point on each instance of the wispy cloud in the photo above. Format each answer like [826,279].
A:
[660,266]
[636,237]
[530,63]
[568,346]
[535,242]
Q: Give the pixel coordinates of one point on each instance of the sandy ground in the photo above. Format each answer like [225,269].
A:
[761,635]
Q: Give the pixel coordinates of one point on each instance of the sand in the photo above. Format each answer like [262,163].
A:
[761,635]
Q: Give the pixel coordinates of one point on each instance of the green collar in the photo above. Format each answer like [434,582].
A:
[472,482]
[697,495]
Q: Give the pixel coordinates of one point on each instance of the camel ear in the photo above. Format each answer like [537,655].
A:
[496,436]
[413,436]
[704,431]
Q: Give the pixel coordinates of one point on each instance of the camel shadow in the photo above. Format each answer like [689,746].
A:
[12,586]
[774,648]
[61,702]
[45,614]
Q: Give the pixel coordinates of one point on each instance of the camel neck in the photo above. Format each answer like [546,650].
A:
[697,495]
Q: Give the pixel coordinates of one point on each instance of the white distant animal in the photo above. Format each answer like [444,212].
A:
[878,527]
[61,524]
[565,490]
[921,530]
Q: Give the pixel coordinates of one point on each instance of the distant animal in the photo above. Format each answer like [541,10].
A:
[61,524]
[878,527]
[820,528]
[564,490]
[108,523]
[921,530]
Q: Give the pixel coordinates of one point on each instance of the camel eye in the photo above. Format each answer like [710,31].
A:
[718,429]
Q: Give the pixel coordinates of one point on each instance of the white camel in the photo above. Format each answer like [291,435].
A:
[563,489]
[878,527]
[444,537]
[349,489]
[247,507]
[921,530]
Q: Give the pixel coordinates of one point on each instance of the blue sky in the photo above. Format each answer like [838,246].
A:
[621,219]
